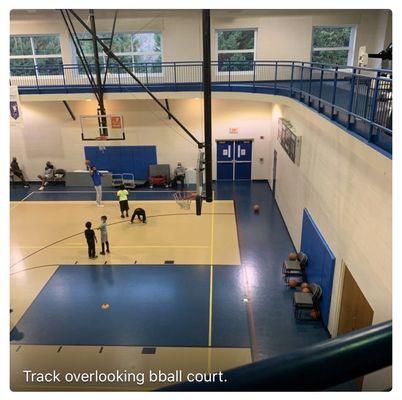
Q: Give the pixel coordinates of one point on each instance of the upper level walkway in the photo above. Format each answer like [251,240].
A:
[357,99]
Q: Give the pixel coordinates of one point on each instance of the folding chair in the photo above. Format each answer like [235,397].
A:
[303,302]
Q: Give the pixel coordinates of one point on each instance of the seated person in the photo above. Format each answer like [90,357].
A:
[179,175]
[48,175]
[16,170]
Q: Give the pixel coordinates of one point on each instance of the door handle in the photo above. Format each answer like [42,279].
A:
[229,151]
[238,151]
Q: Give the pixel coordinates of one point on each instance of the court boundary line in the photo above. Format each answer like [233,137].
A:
[122,265]
[249,303]
[23,199]
[211,274]
[103,191]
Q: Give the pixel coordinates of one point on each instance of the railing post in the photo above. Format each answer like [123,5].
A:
[229,73]
[291,79]
[309,85]
[276,75]
[351,97]
[301,82]
[146,73]
[334,93]
[254,66]
[374,105]
[36,77]
[175,74]
[119,77]
[64,78]
[320,92]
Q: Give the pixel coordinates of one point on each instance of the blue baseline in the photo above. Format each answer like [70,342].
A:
[149,306]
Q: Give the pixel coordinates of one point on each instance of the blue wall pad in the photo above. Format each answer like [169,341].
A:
[229,321]
[123,159]
[321,262]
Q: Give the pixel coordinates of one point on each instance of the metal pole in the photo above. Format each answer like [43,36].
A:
[206,79]
[101,110]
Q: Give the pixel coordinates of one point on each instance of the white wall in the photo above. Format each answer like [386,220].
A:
[281,34]
[48,132]
[347,188]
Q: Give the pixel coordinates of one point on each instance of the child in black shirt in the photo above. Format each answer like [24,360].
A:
[91,239]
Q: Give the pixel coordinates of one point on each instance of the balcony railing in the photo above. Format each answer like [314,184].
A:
[318,367]
[359,99]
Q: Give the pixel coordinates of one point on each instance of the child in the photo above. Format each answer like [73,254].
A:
[140,213]
[91,239]
[122,194]
[103,232]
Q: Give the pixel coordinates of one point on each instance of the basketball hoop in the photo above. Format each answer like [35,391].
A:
[183,199]
[101,140]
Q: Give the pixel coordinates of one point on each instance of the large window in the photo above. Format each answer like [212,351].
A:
[31,54]
[141,51]
[333,44]
[236,49]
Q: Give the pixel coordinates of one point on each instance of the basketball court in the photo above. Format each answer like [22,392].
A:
[173,285]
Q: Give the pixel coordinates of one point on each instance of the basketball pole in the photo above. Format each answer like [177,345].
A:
[102,122]
[206,81]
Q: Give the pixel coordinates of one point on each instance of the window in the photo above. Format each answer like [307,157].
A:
[29,54]
[333,44]
[134,50]
[236,49]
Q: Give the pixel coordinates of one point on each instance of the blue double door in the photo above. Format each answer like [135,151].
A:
[233,160]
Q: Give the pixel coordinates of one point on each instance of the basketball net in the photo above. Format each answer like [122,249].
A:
[102,141]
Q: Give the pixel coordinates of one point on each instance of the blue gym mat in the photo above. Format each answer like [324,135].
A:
[149,306]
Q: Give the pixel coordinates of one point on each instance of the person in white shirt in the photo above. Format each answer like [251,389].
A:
[179,175]
[47,176]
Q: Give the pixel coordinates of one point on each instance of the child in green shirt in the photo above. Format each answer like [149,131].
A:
[122,194]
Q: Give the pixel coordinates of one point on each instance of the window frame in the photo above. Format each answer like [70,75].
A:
[34,56]
[350,48]
[254,50]
[124,54]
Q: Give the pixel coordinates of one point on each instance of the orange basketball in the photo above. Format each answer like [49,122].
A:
[105,306]
[256,208]
[304,285]
[292,283]
[314,314]
[292,256]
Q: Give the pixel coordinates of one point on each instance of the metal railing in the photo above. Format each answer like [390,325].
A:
[359,99]
[318,367]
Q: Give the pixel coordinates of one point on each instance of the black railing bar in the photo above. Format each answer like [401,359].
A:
[317,367]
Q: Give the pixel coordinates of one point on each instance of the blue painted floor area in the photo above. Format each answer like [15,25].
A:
[75,193]
[149,306]
[264,244]
[229,324]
